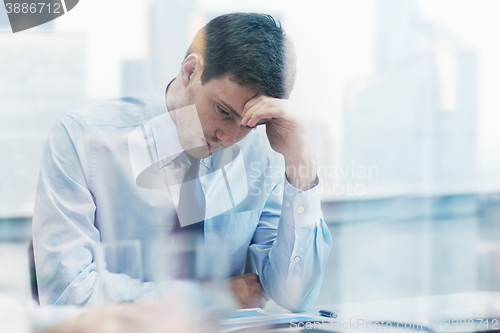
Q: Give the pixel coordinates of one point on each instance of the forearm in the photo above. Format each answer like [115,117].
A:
[300,162]
[301,170]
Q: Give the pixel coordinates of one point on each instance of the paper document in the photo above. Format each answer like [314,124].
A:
[253,318]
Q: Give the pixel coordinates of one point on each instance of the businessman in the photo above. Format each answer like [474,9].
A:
[120,169]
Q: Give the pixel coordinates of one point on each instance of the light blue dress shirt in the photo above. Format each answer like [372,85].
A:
[109,172]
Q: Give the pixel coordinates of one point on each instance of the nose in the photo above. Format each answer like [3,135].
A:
[231,134]
[226,135]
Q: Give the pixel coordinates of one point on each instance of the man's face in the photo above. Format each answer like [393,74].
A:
[219,104]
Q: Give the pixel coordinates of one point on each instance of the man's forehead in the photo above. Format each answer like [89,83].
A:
[230,94]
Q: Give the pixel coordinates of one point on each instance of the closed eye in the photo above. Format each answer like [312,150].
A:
[223,112]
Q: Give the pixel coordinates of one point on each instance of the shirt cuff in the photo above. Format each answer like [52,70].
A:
[301,209]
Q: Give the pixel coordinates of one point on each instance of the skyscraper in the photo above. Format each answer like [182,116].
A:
[415,119]
[168,42]
[43,77]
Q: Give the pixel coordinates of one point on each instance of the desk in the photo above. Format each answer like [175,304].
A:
[352,317]
[433,310]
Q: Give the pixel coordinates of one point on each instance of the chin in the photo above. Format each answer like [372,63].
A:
[199,152]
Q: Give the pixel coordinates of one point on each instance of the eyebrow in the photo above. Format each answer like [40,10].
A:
[229,108]
[232,110]
[236,114]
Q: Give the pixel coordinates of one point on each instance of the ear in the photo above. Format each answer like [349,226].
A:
[191,67]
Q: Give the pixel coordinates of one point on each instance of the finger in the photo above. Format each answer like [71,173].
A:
[251,103]
[263,113]
[256,288]
[255,106]
[253,277]
[256,117]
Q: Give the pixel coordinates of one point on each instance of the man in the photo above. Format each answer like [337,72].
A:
[116,171]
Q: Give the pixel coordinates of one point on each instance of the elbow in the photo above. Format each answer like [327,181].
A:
[300,307]
[295,305]
[296,298]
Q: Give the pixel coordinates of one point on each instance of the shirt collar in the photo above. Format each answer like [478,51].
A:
[165,134]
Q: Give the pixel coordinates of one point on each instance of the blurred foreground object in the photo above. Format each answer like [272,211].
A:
[119,271]
[13,318]
[168,315]
[15,275]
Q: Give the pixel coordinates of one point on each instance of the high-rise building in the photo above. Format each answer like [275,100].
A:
[415,119]
[43,77]
[168,43]
[4,19]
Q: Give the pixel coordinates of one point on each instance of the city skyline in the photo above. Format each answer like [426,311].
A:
[335,46]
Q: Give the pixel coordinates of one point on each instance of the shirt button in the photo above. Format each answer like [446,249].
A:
[300,209]
[206,160]
[287,204]
[297,258]
[164,158]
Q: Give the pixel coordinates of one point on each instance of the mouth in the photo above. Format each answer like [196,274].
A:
[214,147]
[209,147]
